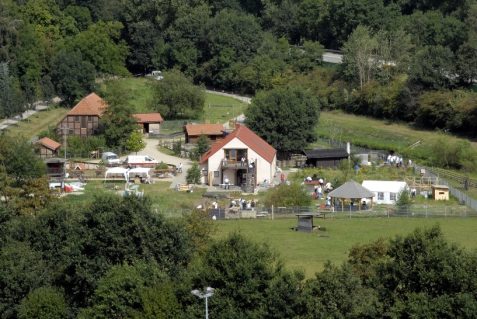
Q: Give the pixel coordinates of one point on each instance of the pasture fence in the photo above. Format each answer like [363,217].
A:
[456,189]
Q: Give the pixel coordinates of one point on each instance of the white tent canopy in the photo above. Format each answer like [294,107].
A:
[139,171]
[116,171]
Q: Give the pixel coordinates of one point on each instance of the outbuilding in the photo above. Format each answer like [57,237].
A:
[149,122]
[48,148]
[325,157]
[440,192]
[385,192]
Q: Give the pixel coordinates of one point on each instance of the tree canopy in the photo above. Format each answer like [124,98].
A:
[284,117]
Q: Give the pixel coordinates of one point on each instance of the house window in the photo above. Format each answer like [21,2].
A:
[77,118]
[392,196]
[380,196]
[216,173]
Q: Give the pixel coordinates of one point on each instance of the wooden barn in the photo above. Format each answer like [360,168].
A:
[213,132]
[322,157]
[48,148]
[149,122]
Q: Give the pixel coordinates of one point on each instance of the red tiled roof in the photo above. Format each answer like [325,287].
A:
[204,129]
[89,105]
[148,117]
[249,138]
[49,143]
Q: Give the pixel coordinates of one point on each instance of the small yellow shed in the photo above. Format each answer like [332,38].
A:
[440,192]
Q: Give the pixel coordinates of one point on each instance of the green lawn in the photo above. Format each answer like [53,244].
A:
[38,122]
[219,109]
[309,251]
[139,92]
[377,134]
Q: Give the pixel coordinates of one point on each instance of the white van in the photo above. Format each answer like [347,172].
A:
[110,158]
[140,161]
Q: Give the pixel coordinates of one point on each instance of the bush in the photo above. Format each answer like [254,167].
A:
[404,200]
[193,174]
[288,195]
[162,165]
[83,146]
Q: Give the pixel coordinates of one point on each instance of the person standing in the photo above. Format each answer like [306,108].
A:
[226,182]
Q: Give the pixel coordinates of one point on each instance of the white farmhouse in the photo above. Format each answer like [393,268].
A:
[242,157]
[385,192]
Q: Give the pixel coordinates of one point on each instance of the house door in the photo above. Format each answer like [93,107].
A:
[241,178]
[146,128]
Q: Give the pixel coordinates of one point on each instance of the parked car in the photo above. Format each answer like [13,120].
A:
[140,161]
[110,159]
[156,75]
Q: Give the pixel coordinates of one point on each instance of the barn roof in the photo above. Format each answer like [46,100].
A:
[148,118]
[89,105]
[323,153]
[204,129]
[49,143]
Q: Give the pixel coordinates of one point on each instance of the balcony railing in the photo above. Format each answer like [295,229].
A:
[234,164]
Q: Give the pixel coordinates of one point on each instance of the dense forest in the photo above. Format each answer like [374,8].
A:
[403,60]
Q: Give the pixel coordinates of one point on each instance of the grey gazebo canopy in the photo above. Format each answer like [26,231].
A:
[351,190]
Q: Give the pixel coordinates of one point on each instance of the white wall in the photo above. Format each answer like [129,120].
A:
[265,170]
[385,187]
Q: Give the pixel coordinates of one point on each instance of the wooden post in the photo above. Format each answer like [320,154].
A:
[272,212]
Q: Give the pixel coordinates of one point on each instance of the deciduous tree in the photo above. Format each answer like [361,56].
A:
[284,117]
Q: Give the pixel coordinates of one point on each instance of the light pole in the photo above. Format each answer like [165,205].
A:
[209,291]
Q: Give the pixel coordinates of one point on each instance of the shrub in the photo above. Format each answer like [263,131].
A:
[404,200]
[288,195]
[193,174]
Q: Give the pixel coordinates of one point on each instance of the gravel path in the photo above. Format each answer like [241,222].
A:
[152,150]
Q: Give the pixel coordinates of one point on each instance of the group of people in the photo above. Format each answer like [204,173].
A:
[243,204]
[397,161]
[319,188]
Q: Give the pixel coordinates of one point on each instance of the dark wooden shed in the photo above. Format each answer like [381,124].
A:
[323,157]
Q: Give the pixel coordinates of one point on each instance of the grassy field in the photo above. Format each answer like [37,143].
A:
[309,251]
[219,109]
[377,134]
[37,123]
[139,92]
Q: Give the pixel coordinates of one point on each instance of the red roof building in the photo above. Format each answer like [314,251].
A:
[150,122]
[213,132]
[242,158]
[83,118]
[48,148]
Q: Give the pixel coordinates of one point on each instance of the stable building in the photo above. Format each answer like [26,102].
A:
[150,123]
[323,157]
[47,147]
[213,132]
[242,157]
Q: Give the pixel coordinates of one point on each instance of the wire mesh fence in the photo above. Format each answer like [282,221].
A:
[415,211]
